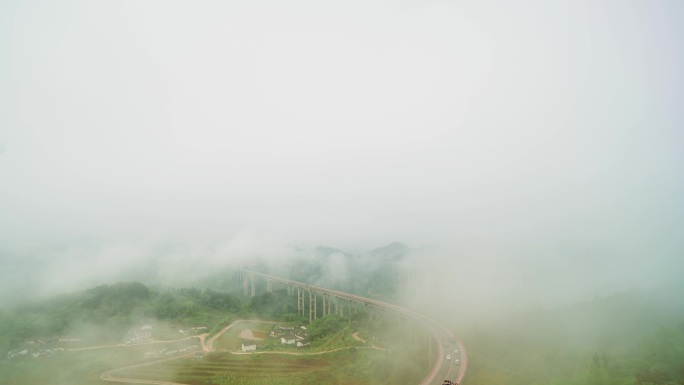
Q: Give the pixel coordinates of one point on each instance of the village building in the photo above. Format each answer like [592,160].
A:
[288,340]
[68,339]
[248,348]
[143,334]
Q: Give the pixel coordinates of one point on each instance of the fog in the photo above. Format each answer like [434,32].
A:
[526,150]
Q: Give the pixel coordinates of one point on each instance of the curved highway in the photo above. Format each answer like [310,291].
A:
[451,362]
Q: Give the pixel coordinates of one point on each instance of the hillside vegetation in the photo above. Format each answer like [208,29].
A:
[624,339]
[112,310]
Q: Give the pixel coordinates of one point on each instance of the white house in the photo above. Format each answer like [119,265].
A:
[248,348]
[289,340]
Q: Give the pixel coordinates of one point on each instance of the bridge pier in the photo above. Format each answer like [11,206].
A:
[249,289]
[312,305]
[330,304]
[300,301]
[245,284]
[327,304]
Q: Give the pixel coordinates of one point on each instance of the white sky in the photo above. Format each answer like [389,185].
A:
[349,123]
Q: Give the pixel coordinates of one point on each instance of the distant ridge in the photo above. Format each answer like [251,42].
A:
[393,252]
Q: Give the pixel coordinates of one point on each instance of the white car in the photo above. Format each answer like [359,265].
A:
[456,351]
[448,356]
[456,361]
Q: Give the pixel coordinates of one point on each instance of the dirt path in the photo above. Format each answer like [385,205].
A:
[203,341]
[311,353]
[356,337]
[208,346]
[126,345]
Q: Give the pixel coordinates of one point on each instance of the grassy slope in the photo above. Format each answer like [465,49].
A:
[603,341]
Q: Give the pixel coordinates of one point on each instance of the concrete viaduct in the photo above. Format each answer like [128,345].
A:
[346,304]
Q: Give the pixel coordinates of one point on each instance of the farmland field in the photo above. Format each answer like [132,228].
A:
[221,368]
[72,368]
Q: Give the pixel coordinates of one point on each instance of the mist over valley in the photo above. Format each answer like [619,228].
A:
[367,192]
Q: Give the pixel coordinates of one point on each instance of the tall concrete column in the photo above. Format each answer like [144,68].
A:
[245,283]
[253,285]
[312,305]
[300,301]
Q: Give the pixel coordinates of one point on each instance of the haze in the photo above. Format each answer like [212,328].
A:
[517,143]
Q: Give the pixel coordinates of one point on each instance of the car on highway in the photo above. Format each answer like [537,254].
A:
[448,357]
[456,361]
[456,351]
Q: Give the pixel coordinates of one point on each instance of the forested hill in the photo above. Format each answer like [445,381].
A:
[111,310]
[631,337]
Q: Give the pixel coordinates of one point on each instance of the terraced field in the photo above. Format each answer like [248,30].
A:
[226,369]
